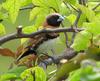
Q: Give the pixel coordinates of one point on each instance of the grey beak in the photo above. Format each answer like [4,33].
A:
[61,18]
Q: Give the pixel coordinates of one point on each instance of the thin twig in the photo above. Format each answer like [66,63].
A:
[66,5]
[66,37]
[53,51]
[93,0]
[52,77]
[74,8]
[75,25]
[77,19]
[33,6]
[53,9]
[96,6]
[28,7]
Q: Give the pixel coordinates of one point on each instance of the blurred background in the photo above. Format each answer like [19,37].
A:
[23,19]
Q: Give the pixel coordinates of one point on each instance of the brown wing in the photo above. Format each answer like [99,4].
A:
[36,41]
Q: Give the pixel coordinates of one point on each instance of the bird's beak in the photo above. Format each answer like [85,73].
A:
[61,18]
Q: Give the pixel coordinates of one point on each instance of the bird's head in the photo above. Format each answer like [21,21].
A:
[53,20]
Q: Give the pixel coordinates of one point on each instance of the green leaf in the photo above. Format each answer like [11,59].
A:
[12,6]
[41,17]
[28,30]
[73,2]
[7,77]
[66,68]
[37,2]
[94,77]
[82,40]
[40,74]
[23,40]
[75,75]
[87,72]
[54,4]
[34,12]
[13,73]
[92,4]
[3,15]
[62,38]
[36,73]
[81,74]
[63,10]
[98,17]
[2,29]
[17,70]
[40,2]
[71,18]
[25,2]
[89,13]
[93,27]
[81,20]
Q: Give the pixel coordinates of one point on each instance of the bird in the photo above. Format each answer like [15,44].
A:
[52,21]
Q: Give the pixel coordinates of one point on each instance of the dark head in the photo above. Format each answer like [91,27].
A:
[54,20]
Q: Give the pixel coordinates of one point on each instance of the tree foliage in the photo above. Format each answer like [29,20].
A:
[82,14]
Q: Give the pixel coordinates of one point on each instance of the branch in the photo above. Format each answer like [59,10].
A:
[67,54]
[77,20]
[75,24]
[96,6]
[66,37]
[82,2]
[22,35]
[73,7]
[93,0]
[27,7]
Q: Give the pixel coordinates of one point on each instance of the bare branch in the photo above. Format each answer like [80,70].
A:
[83,2]
[16,36]
[67,54]
[75,25]
[19,30]
[93,0]
[74,8]
[33,6]
[96,6]
[28,7]
[67,6]
[66,37]
[77,19]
